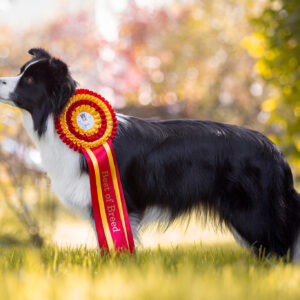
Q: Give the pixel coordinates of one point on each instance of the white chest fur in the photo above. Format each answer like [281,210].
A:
[63,167]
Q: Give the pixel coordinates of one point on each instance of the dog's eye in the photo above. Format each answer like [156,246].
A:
[29,79]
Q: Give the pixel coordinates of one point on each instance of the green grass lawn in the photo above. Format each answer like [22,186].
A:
[223,271]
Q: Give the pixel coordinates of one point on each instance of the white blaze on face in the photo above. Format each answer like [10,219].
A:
[7,86]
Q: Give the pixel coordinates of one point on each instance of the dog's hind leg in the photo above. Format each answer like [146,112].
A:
[271,228]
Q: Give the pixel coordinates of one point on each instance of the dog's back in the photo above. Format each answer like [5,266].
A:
[232,173]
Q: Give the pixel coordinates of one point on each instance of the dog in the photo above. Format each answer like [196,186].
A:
[234,174]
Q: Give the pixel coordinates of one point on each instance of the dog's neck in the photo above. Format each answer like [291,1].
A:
[49,136]
[49,143]
[62,166]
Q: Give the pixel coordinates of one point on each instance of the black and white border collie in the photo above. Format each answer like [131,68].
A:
[235,174]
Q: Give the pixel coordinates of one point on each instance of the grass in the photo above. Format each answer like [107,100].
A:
[223,271]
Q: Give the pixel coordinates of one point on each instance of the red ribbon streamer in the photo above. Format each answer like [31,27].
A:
[109,207]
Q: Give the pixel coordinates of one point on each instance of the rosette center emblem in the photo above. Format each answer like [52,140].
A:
[85,120]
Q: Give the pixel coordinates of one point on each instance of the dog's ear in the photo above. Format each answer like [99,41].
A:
[63,86]
[58,68]
[39,53]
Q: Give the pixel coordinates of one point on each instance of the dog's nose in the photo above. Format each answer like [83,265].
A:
[3,82]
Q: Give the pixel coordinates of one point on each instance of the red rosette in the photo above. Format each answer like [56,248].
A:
[87,121]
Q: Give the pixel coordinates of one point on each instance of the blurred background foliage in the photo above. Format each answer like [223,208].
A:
[232,61]
[277,51]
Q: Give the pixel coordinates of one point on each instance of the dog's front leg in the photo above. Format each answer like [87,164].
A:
[135,221]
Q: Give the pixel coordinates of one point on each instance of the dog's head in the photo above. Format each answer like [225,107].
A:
[43,87]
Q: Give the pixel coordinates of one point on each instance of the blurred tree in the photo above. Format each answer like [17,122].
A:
[276,46]
[22,183]
[193,61]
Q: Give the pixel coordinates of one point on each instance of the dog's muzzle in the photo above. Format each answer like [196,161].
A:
[7,87]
